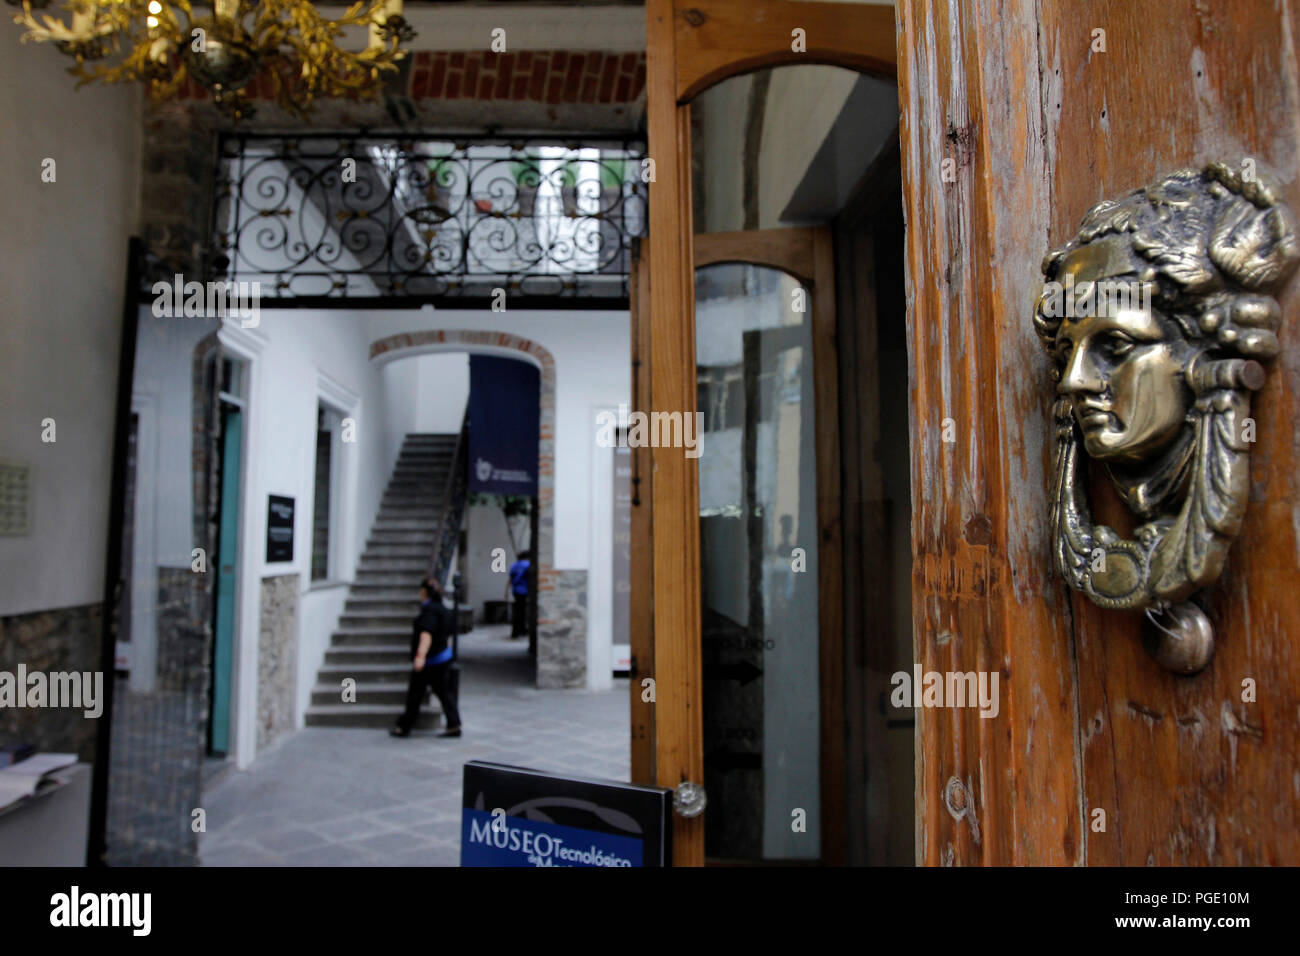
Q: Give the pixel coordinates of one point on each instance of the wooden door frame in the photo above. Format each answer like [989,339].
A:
[691,45]
[806,253]
[641,599]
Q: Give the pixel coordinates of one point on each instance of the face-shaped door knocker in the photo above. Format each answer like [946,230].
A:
[1157,315]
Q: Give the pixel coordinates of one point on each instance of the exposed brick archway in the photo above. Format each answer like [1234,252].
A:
[561,595]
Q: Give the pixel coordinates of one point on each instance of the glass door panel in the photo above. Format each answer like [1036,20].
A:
[759,574]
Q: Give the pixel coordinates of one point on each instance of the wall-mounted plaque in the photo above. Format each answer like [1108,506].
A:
[279,529]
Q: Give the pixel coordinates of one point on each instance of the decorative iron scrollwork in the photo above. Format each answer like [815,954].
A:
[1158,315]
[411,216]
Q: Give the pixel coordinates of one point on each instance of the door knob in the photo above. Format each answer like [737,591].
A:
[689,799]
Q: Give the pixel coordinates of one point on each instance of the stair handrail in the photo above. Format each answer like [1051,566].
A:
[452,503]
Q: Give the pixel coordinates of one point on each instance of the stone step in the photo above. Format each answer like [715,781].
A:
[396,565]
[417,559]
[421,465]
[429,525]
[420,536]
[430,510]
[387,653]
[415,472]
[375,620]
[413,478]
[392,579]
[367,672]
[422,552]
[417,482]
[365,605]
[373,637]
[382,592]
[424,497]
[430,504]
[427,449]
[390,694]
[406,550]
[369,715]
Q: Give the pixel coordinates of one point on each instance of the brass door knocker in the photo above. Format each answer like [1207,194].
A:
[1157,315]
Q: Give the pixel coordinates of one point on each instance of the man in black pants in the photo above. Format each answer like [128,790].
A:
[432,660]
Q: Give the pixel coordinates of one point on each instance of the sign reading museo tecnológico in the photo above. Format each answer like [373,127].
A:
[503,425]
[513,816]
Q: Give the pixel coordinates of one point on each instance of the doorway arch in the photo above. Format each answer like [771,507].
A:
[561,595]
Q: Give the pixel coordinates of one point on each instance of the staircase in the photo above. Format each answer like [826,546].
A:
[373,642]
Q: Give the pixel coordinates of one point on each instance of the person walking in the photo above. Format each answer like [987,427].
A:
[432,662]
[519,588]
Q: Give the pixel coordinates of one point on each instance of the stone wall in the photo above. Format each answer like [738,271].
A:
[184,630]
[562,630]
[64,639]
[277,658]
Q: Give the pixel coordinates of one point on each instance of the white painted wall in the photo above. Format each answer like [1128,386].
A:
[62,268]
[424,393]
[297,358]
[485,531]
[600,575]
[161,396]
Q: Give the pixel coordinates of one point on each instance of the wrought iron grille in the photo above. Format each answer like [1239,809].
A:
[364,217]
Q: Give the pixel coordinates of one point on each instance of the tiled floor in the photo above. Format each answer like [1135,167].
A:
[343,797]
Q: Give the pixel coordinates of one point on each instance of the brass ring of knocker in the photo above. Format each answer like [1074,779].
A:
[1180,637]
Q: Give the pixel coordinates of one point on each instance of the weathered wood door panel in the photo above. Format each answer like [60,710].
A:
[1015,120]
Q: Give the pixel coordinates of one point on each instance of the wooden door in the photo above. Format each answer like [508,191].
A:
[1016,118]
[692,44]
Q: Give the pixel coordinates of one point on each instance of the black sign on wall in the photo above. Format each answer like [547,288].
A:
[279,529]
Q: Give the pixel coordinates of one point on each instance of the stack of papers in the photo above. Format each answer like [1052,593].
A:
[25,779]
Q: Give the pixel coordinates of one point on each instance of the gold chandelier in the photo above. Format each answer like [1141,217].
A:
[223,45]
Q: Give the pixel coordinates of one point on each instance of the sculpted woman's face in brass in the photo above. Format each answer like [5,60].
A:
[1121,362]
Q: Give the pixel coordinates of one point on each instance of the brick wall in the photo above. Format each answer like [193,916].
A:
[552,77]
[541,76]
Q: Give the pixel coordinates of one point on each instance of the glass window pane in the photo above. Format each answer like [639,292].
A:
[758,503]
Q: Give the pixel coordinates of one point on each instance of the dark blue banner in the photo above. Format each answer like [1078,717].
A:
[503,425]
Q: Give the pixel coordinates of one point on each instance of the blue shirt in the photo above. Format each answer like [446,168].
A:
[442,656]
[519,578]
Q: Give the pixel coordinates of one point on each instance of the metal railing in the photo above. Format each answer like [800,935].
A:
[402,216]
[453,507]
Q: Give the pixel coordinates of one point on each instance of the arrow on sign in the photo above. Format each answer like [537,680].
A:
[742,671]
[730,760]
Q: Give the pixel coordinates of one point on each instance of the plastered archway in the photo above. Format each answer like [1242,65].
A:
[561,595]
